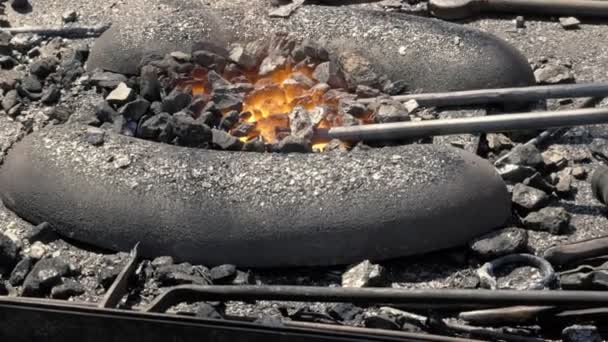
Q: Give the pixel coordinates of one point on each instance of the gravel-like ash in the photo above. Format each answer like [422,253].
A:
[148,164]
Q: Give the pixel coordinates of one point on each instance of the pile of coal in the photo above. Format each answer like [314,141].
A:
[263,96]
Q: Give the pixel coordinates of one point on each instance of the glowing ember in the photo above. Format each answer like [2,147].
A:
[268,104]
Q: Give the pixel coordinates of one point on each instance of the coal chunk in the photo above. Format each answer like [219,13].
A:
[225,141]
[227,101]
[358,70]
[105,112]
[229,120]
[107,275]
[344,311]
[217,81]
[579,172]
[31,84]
[553,220]
[363,274]
[20,5]
[69,16]
[365,92]
[525,155]
[7,62]
[51,95]
[512,173]
[294,144]
[390,111]
[581,333]
[329,73]
[189,131]
[44,67]
[381,322]
[311,50]
[154,126]
[176,101]
[554,74]
[554,160]
[9,252]
[498,142]
[121,95]
[223,273]
[395,88]
[21,271]
[209,60]
[300,123]
[499,243]
[181,274]
[528,198]
[149,85]
[206,310]
[243,278]
[69,288]
[134,110]
[539,182]
[254,145]
[241,57]
[569,23]
[163,261]
[45,274]
[106,79]
[564,184]
[95,136]
[10,100]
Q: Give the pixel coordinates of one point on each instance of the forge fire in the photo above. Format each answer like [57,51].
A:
[260,96]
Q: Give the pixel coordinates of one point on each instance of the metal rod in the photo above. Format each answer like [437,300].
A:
[120,286]
[379,332]
[484,124]
[195,293]
[581,8]
[501,95]
[66,31]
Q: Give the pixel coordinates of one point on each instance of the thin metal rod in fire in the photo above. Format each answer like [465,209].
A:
[503,95]
[485,124]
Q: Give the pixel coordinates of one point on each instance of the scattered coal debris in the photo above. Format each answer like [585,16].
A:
[553,71]
[262,96]
[38,76]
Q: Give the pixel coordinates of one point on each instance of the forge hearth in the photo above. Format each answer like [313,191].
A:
[267,96]
[252,209]
[427,54]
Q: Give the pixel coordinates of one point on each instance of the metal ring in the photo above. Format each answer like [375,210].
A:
[488,280]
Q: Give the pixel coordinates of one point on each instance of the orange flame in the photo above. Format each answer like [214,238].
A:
[274,96]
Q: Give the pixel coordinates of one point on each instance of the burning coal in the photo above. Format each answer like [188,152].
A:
[269,96]
[281,96]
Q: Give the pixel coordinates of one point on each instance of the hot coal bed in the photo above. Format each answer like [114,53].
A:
[214,156]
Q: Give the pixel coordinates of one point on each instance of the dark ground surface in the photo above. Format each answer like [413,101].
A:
[584,48]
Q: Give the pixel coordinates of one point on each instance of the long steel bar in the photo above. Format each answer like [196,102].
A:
[31,320]
[461,9]
[502,95]
[194,293]
[484,124]
[379,332]
[66,31]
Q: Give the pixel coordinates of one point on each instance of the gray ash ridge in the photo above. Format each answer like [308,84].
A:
[241,176]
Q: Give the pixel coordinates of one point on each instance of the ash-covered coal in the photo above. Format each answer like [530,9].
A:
[270,95]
